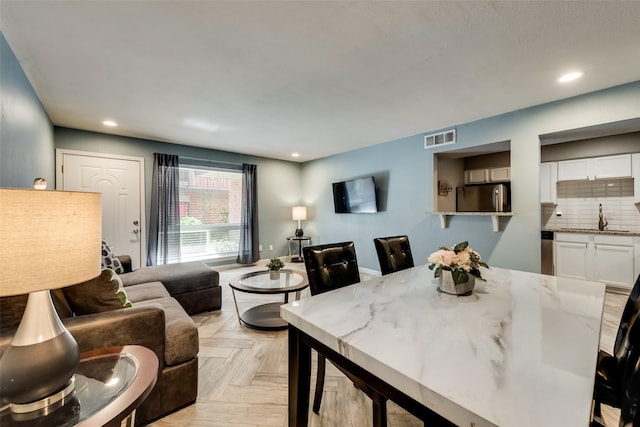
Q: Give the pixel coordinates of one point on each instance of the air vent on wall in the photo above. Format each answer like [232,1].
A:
[441,138]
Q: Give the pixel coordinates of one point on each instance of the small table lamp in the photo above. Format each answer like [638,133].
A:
[48,240]
[299,213]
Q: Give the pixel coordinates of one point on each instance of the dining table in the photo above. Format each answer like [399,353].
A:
[520,350]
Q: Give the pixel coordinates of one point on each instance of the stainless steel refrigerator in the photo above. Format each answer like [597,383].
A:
[483,198]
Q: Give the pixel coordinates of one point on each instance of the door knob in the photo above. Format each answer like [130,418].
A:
[136,231]
[135,222]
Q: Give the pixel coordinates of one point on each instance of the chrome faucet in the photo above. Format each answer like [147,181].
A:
[602,221]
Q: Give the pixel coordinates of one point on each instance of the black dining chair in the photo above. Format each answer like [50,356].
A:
[394,253]
[629,411]
[330,267]
[611,368]
[627,379]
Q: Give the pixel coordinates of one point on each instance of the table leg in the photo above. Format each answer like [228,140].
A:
[233,292]
[299,379]
[130,421]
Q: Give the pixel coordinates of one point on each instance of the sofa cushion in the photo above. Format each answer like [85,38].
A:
[12,308]
[102,293]
[109,259]
[146,291]
[177,278]
[181,333]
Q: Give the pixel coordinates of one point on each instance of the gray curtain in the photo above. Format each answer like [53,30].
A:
[248,252]
[164,227]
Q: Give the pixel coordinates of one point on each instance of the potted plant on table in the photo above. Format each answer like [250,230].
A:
[456,268]
[274,265]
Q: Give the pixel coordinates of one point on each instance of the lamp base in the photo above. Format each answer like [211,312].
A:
[42,357]
[46,405]
[299,232]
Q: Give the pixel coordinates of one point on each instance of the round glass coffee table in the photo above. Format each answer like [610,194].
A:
[266,317]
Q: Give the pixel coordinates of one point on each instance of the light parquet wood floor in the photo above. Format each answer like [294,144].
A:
[243,373]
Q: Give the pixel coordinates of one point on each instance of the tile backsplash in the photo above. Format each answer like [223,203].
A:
[578,202]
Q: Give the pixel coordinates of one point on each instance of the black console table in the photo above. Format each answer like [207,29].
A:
[298,239]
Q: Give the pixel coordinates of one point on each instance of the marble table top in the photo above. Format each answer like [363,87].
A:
[520,351]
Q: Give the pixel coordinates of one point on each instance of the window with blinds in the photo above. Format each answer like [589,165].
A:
[210,203]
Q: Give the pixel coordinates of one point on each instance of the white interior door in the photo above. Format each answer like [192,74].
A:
[120,180]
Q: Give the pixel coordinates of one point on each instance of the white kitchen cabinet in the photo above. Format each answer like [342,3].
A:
[604,258]
[614,265]
[479,176]
[499,174]
[576,170]
[606,167]
[572,255]
[548,182]
[613,166]
[476,176]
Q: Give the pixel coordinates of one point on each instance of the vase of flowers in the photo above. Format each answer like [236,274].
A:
[274,265]
[456,268]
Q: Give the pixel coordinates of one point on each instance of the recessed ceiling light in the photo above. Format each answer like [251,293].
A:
[109,123]
[570,77]
[295,155]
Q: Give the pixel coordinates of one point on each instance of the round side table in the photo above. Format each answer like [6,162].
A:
[110,384]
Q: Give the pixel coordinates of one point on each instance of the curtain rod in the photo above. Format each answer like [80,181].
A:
[210,160]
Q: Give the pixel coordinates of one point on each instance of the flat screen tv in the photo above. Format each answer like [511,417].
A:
[355,196]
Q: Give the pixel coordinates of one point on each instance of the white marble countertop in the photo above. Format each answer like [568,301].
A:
[519,351]
[475,213]
[593,231]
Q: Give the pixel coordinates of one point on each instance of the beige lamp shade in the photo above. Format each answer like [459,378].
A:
[299,213]
[48,239]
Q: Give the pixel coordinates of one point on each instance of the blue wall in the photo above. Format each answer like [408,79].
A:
[26,133]
[404,173]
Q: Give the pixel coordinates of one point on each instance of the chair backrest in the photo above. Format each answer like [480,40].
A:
[627,356]
[331,266]
[629,413]
[629,369]
[394,253]
[631,310]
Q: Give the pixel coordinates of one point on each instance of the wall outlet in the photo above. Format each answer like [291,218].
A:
[260,248]
[270,247]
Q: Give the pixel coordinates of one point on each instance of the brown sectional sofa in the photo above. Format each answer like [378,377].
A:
[158,319]
[187,282]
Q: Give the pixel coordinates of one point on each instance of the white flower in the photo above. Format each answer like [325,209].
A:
[460,258]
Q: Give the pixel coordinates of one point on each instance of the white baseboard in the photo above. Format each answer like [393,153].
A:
[370,272]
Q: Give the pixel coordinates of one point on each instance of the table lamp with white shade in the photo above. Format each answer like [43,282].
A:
[40,231]
[299,213]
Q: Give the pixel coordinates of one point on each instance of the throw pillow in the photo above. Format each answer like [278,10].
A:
[109,259]
[102,293]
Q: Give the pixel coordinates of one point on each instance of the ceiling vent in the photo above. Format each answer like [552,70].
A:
[441,138]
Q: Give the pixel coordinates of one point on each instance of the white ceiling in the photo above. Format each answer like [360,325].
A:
[316,77]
